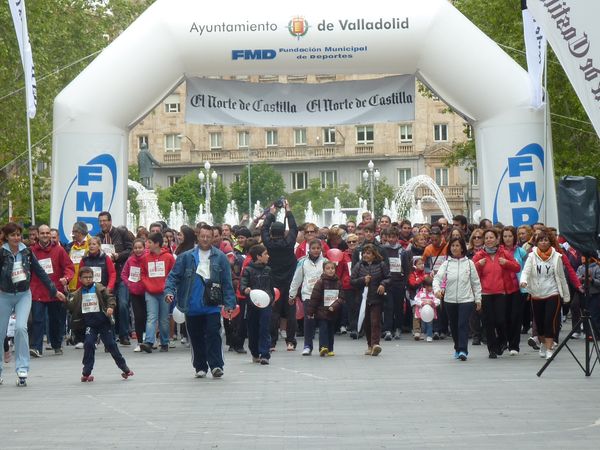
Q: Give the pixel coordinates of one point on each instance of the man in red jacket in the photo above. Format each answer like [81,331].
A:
[59,267]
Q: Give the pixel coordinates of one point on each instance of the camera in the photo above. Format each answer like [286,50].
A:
[280,203]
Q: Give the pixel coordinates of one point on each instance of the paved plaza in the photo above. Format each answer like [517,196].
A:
[414,395]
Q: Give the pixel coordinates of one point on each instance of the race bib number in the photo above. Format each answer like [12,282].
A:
[134,274]
[330,296]
[18,273]
[395,265]
[76,256]
[156,269]
[97,274]
[89,303]
[109,249]
[47,265]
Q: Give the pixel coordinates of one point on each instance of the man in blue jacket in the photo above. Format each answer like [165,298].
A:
[194,271]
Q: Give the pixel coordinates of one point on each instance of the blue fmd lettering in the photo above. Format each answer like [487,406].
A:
[91,201]
[519,164]
[253,54]
[92,224]
[525,192]
[86,174]
[524,216]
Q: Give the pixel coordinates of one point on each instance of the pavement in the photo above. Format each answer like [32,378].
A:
[413,395]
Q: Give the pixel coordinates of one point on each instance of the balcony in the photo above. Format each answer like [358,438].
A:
[364,150]
[172,157]
[450,192]
[268,154]
[406,149]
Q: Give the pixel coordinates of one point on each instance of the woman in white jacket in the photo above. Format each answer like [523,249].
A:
[544,278]
[458,283]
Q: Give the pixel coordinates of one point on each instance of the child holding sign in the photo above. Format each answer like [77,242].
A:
[92,306]
[132,277]
[325,301]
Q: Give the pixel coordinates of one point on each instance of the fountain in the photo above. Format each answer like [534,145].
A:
[258,210]
[131,219]
[390,210]
[148,202]
[231,214]
[203,216]
[309,214]
[416,213]
[362,208]
[407,204]
[338,217]
[178,216]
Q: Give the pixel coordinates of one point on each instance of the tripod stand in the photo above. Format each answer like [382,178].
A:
[586,321]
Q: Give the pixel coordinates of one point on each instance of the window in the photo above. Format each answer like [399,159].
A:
[469,131]
[142,139]
[328,178]
[299,180]
[42,167]
[364,134]
[403,176]
[172,104]
[300,136]
[406,132]
[440,132]
[172,179]
[172,142]
[441,177]
[216,141]
[271,138]
[243,139]
[474,176]
[237,177]
[328,136]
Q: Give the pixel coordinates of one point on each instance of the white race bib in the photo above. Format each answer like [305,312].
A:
[97,274]
[76,255]
[134,274]
[109,249]
[156,269]
[395,265]
[47,265]
[89,303]
[330,296]
[18,273]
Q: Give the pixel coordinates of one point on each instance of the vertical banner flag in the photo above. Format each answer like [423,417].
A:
[17,9]
[571,27]
[535,46]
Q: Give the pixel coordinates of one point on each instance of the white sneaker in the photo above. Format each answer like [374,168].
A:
[79,345]
[184,340]
[343,330]
[576,335]
[549,354]
[137,349]
[172,344]
[22,373]
[542,351]
[306,352]
[513,353]
[429,339]
[200,374]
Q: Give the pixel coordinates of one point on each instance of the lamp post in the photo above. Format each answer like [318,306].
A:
[208,182]
[371,177]
[249,186]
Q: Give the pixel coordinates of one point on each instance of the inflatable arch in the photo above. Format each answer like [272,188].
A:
[177,38]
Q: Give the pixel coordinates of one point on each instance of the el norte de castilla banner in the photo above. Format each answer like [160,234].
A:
[224,102]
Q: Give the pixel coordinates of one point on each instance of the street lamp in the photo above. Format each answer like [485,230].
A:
[208,182]
[371,177]
[249,186]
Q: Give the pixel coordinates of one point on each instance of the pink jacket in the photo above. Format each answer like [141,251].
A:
[133,281]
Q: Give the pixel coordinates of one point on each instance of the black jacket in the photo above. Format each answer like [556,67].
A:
[257,276]
[405,263]
[30,263]
[123,247]
[380,274]
[282,260]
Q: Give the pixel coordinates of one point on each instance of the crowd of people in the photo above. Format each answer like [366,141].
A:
[480,283]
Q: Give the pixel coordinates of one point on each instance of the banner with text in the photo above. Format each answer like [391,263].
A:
[224,102]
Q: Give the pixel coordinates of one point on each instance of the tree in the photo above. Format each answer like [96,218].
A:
[383,190]
[321,198]
[267,186]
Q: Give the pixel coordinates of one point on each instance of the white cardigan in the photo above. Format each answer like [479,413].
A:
[540,286]
[462,281]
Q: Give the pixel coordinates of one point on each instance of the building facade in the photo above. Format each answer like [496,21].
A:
[399,150]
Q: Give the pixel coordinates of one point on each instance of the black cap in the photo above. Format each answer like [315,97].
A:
[243,231]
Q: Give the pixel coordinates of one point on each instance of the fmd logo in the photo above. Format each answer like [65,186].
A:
[261,54]
[520,192]
[91,191]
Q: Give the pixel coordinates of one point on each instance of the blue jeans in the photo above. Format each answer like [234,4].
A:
[259,336]
[458,319]
[205,339]
[99,325]
[123,313]
[157,310]
[57,315]
[428,328]
[20,303]
[326,333]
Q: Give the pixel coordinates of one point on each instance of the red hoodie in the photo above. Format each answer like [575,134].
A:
[155,269]
[131,274]
[497,279]
[301,249]
[343,270]
[57,264]
[416,277]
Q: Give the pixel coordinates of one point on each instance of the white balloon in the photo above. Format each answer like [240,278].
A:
[260,298]
[178,316]
[427,313]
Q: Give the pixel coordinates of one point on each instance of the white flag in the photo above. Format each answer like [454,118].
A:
[17,9]
[535,46]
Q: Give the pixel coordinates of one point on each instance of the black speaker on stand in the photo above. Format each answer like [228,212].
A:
[579,223]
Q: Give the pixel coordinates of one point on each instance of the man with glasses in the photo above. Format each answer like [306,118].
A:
[311,232]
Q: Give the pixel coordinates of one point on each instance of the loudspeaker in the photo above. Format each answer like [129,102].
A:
[578,213]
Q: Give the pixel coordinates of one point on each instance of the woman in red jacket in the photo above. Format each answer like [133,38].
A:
[132,277]
[495,266]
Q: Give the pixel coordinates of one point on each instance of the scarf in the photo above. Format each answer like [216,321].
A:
[544,255]
[490,250]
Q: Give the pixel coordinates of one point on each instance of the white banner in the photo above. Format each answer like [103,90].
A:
[19,16]
[571,28]
[535,46]
[223,102]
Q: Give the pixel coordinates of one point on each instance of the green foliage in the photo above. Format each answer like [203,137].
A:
[320,198]
[266,183]
[383,190]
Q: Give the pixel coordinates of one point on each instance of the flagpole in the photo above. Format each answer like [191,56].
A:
[30,170]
